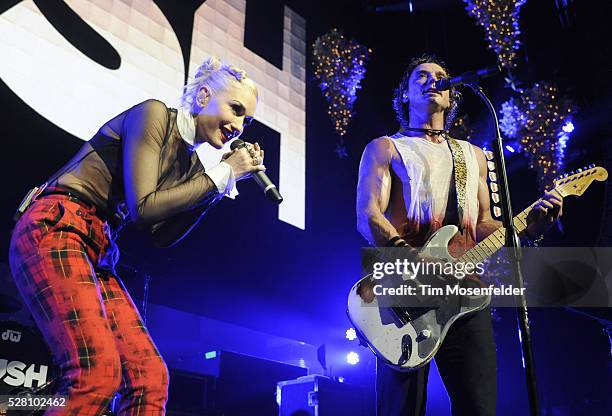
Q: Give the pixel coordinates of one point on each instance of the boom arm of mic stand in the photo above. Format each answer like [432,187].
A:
[514,249]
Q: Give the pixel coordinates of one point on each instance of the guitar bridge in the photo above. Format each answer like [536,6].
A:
[401,314]
[407,315]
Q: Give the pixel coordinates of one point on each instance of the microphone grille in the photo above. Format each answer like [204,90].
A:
[443,84]
[237,144]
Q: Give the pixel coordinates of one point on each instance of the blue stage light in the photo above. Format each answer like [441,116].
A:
[568,127]
[278,395]
[351,334]
[510,148]
[563,138]
[352,358]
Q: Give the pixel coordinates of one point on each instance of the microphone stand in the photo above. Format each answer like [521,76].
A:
[514,250]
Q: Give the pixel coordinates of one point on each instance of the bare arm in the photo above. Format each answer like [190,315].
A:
[373,192]
[485,224]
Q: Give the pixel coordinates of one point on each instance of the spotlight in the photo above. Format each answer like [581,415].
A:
[568,127]
[563,138]
[352,358]
[510,148]
[351,334]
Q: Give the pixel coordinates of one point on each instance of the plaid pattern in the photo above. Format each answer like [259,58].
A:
[85,313]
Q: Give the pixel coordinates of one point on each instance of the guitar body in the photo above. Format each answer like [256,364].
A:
[410,340]
[407,337]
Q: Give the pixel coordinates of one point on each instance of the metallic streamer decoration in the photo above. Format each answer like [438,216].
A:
[538,120]
[500,21]
[339,66]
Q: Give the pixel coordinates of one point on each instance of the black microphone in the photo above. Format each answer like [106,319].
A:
[469,77]
[261,178]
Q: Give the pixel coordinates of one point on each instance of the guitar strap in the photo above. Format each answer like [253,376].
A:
[460,174]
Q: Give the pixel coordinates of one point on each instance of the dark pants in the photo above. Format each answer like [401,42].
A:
[467,365]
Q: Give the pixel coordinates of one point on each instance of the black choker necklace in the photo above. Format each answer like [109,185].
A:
[429,132]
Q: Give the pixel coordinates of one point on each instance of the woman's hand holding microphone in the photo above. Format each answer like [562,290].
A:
[245,160]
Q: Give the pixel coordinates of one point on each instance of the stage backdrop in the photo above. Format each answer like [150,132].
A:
[66,67]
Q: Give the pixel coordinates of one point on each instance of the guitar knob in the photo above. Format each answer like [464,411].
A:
[424,334]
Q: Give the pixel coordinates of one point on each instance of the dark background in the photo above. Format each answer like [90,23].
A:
[242,265]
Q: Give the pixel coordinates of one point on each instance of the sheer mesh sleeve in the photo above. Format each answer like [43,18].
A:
[143,131]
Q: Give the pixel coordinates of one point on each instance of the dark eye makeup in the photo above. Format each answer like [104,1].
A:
[239,110]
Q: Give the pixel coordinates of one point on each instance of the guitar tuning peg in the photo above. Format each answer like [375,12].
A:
[592,165]
[578,170]
[565,175]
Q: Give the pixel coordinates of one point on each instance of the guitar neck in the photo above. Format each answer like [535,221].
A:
[574,184]
[496,240]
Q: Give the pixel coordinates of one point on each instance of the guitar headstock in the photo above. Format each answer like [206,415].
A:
[578,182]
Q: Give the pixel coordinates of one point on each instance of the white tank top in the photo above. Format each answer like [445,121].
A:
[427,181]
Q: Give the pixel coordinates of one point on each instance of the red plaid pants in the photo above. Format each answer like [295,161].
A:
[91,324]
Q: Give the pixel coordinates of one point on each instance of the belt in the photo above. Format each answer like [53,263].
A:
[78,198]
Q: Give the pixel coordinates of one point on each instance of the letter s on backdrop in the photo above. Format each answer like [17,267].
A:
[70,89]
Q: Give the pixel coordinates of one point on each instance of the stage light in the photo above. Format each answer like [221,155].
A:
[563,138]
[510,148]
[340,379]
[351,334]
[352,358]
[302,363]
[568,127]
[278,395]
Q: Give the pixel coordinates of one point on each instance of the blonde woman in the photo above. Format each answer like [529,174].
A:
[141,167]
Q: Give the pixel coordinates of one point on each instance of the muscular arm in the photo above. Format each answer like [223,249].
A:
[373,192]
[142,137]
[485,224]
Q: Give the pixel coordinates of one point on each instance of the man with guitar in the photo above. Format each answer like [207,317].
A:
[410,185]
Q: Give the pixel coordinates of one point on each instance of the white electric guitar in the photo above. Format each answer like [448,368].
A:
[407,338]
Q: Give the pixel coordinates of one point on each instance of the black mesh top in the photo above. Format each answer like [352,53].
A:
[138,160]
